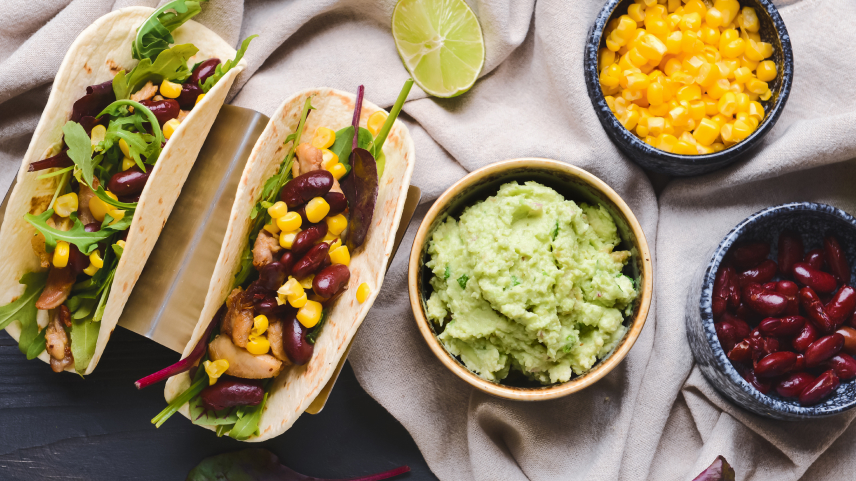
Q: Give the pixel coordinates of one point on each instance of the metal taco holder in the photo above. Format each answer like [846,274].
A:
[167,298]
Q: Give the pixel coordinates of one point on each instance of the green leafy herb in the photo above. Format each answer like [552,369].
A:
[448,273]
[514,281]
[313,334]
[247,424]
[246,267]
[130,127]
[223,68]
[462,281]
[85,241]
[205,417]
[345,141]
[377,148]
[179,401]
[84,335]
[79,148]
[23,309]
[155,34]
[555,232]
[171,64]
[118,250]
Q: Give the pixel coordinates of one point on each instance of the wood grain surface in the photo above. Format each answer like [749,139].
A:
[60,426]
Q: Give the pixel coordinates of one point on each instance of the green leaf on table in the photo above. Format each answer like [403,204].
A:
[155,34]
[170,64]
[85,241]
[84,336]
[223,68]
[79,148]
[205,417]
[23,309]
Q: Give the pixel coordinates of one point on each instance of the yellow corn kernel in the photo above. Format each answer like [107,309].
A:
[336,224]
[607,80]
[718,146]
[127,163]
[612,43]
[732,49]
[272,227]
[651,140]
[629,119]
[766,49]
[340,255]
[120,243]
[736,88]
[707,74]
[685,148]
[258,345]
[727,104]
[97,134]
[710,107]
[658,28]
[651,47]
[60,254]
[709,35]
[260,325]
[199,99]
[720,120]
[749,20]
[66,204]
[215,369]
[375,122]
[636,12]
[96,260]
[689,93]
[655,93]
[706,132]
[90,270]
[667,142]
[673,42]
[766,95]
[727,132]
[117,215]
[690,43]
[170,127]
[641,131]
[363,292]
[679,116]
[718,89]
[757,86]
[756,110]
[742,75]
[278,209]
[757,50]
[170,90]
[656,126]
[290,222]
[741,130]
[683,78]
[690,21]
[310,314]
[675,18]
[124,147]
[610,102]
[323,138]
[697,110]
[286,239]
[692,65]
[317,209]
[605,58]
[672,66]
[659,110]
[729,9]
[742,102]
[328,159]
[298,301]
[713,17]
[673,5]
[338,171]
[750,64]
[291,288]
[766,71]
[335,244]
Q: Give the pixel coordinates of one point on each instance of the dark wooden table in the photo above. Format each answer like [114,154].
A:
[65,427]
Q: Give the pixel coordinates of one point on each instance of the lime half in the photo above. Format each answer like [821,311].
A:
[440,43]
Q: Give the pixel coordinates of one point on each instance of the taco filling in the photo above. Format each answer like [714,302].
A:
[100,167]
[312,214]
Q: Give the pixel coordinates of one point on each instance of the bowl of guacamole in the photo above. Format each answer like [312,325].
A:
[530,279]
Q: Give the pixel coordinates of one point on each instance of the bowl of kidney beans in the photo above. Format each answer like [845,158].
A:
[772,319]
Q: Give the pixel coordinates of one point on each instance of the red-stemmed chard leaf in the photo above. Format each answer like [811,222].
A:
[260,464]
[360,188]
[59,160]
[719,470]
[188,362]
[358,108]
[97,98]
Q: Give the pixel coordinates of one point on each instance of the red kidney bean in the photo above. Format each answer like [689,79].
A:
[806,336]
[794,384]
[164,110]
[741,352]
[785,326]
[814,309]
[791,292]
[294,342]
[301,211]
[269,307]
[77,260]
[823,349]
[288,260]
[762,273]
[203,71]
[727,335]
[764,346]
[791,251]
[311,262]
[742,328]
[189,93]
[332,280]
[748,255]
[836,259]
[818,390]
[767,304]
[849,335]
[818,280]
[273,275]
[92,227]
[761,385]
[775,364]
[841,306]
[843,365]
[338,202]
[231,391]
[815,258]
[129,182]
[800,364]
[748,315]
[306,187]
[305,239]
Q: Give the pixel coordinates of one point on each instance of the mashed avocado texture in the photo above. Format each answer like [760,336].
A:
[527,280]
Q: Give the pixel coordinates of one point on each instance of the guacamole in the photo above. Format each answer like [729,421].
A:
[527,280]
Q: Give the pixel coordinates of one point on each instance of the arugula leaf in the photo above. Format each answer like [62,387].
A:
[129,208]
[223,68]
[154,35]
[246,267]
[345,141]
[141,142]
[205,417]
[85,241]
[171,64]
[84,336]
[79,148]
[83,309]
[118,250]
[23,309]
[121,225]
[247,424]
[462,281]
[313,334]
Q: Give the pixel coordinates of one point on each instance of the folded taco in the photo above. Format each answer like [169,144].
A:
[130,107]
[305,252]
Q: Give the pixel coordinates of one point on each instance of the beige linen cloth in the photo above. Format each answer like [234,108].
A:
[655,417]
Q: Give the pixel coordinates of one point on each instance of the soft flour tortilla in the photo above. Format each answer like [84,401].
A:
[97,55]
[295,389]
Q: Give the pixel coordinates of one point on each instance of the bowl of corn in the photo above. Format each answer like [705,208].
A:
[685,87]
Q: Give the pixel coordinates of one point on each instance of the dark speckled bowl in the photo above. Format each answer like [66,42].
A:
[772,30]
[812,221]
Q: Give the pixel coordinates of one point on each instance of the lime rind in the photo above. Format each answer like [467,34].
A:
[440,43]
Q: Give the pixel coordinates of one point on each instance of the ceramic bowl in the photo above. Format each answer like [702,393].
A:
[574,184]
[810,220]
[772,30]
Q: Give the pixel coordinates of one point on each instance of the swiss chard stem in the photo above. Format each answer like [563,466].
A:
[393,114]
[358,108]
[179,401]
